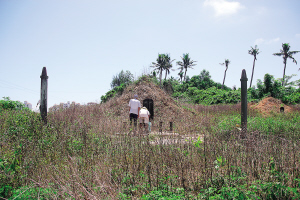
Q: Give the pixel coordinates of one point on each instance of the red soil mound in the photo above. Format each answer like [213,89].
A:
[270,105]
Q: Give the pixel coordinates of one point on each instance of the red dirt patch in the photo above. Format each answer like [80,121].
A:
[270,105]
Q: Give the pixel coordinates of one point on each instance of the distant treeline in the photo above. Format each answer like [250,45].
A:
[201,89]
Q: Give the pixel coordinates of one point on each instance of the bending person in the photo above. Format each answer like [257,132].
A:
[144,118]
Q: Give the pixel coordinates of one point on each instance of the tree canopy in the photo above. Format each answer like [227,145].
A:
[121,78]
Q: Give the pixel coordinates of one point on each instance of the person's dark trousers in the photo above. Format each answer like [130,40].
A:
[133,117]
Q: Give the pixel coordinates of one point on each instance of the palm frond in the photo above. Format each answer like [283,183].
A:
[254,51]
[293,52]
[278,54]
[294,60]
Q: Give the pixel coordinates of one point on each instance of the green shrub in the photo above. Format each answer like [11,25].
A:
[165,192]
[32,193]
[8,104]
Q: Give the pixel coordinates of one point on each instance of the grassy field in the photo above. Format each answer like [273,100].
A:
[87,153]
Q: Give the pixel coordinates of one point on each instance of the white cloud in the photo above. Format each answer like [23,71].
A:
[263,41]
[223,7]
[259,41]
[273,40]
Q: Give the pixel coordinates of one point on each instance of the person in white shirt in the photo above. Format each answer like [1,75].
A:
[144,118]
[134,110]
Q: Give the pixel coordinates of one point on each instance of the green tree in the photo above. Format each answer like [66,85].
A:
[185,64]
[286,53]
[168,65]
[159,65]
[226,63]
[121,78]
[202,81]
[181,75]
[204,75]
[9,104]
[268,83]
[287,80]
[253,51]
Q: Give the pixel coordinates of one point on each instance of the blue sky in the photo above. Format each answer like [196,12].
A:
[84,44]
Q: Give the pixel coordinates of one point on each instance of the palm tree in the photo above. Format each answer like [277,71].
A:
[168,65]
[226,63]
[159,65]
[286,53]
[185,63]
[181,74]
[253,51]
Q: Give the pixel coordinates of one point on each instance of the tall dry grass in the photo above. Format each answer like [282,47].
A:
[102,163]
[87,153]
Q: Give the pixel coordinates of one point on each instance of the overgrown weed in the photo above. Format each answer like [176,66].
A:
[80,155]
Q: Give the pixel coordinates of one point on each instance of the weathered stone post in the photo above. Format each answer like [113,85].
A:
[160,127]
[44,95]
[244,80]
[171,126]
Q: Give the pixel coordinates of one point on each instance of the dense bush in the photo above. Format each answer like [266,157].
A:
[8,104]
[271,87]
[20,130]
[202,90]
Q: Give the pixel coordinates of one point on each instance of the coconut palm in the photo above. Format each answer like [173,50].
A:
[181,74]
[185,64]
[253,51]
[159,65]
[226,63]
[286,53]
[168,65]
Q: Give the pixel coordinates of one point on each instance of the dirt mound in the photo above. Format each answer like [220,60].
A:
[270,105]
[165,108]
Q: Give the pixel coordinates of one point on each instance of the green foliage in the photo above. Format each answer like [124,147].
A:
[271,87]
[19,130]
[8,104]
[201,89]
[163,62]
[169,84]
[274,125]
[209,96]
[110,94]
[32,193]
[122,78]
[286,53]
[118,90]
[202,81]
[235,187]
[165,192]
[184,65]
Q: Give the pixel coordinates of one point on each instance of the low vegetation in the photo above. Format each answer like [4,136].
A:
[86,153]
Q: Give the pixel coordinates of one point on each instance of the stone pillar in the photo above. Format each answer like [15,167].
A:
[160,127]
[44,95]
[244,80]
